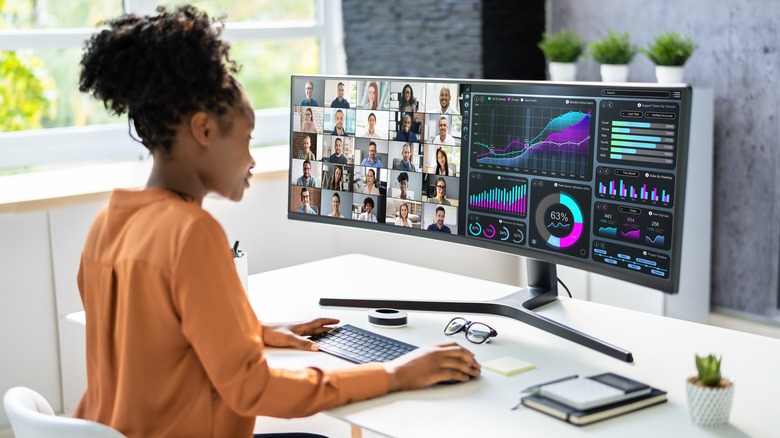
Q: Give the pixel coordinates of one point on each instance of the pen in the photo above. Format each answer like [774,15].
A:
[537,387]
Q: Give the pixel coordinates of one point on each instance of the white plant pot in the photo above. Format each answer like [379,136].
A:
[563,71]
[707,406]
[614,72]
[669,74]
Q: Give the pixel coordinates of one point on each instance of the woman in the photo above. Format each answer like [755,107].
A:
[403,216]
[442,164]
[370,188]
[441,193]
[306,153]
[373,96]
[308,121]
[156,277]
[336,181]
[336,203]
[406,134]
[407,102]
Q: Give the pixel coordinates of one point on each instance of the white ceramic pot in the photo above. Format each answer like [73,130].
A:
[709,406]
[669,74]
[614,72]
[563,71]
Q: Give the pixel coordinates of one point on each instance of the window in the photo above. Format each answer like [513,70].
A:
[49,123]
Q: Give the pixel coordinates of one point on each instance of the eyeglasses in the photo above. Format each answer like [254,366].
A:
[440,187]
[476,332]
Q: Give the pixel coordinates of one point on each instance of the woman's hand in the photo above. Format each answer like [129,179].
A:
[430,365]
[294,335]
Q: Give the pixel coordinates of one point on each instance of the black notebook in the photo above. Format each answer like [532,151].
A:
[583,417]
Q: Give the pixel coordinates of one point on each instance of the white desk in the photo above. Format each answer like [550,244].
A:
[663,351]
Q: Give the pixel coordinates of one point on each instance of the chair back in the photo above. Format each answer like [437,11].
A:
[31,416]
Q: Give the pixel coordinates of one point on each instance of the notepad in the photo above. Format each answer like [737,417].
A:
[508,365]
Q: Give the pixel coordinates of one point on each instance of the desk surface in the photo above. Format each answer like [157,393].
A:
[663,351]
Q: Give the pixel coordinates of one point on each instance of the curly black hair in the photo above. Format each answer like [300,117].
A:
[160,68]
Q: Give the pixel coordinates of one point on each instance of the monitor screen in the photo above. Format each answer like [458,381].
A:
[587,175]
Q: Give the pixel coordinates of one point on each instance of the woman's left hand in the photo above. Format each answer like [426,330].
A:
[294,335]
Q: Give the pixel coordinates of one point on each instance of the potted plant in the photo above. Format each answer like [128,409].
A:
[669,51]
[709,394]
[613,52]
[562,49]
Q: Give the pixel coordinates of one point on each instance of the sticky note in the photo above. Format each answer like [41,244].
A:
[508,365]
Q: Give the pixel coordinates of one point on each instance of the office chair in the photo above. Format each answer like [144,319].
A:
[31,416]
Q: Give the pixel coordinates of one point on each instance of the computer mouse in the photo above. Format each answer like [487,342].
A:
[451,382]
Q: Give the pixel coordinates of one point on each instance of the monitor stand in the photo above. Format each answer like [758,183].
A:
[542,289]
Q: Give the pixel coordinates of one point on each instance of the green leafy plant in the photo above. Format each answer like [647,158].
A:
[709,370]
[670,48]
[25,91]
[615,48]
[563,46]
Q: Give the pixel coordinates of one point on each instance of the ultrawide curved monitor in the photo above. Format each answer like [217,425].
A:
[587,175]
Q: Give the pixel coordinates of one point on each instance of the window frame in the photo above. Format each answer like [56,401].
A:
[100,142]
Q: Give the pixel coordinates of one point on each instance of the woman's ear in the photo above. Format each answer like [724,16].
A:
[200,127]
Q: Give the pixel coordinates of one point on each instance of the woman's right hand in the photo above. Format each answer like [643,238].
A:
[430,365]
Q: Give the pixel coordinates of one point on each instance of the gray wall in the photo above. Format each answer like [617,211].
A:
[426,38]
[738,57]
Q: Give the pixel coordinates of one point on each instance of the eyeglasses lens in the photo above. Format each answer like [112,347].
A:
[455,326]
[478,333]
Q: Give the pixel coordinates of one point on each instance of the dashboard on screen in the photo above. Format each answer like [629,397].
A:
[587,175]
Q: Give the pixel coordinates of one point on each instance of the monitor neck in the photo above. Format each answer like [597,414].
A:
[542,277]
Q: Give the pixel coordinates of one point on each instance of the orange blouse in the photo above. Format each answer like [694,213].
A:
[173,346]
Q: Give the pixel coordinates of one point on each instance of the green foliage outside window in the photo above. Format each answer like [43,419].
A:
[26,92]
[39,88]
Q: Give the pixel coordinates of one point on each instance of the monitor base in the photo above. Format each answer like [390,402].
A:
[518,305]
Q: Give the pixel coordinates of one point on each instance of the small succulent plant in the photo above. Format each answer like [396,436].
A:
[709,370]
[670,48]
[614,48]
[564,46]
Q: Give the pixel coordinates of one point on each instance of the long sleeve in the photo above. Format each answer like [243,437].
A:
[231,349]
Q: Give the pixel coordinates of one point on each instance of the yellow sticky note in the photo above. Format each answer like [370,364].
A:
[508,365]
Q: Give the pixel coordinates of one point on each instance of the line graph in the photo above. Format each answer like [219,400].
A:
[548,140]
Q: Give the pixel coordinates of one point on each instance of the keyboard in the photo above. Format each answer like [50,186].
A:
[360,346]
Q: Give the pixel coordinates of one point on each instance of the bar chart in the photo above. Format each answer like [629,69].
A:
[493,193]
[630,185]
[640,143]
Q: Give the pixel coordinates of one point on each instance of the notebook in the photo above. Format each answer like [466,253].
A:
[583,417]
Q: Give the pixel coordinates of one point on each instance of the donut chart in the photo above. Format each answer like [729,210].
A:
[497,229]
[559,220]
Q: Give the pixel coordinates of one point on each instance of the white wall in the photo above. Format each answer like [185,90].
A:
[29,354]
